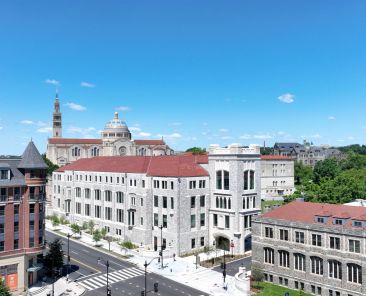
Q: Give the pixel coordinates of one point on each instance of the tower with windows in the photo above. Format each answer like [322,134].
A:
[235,195]
[57,120]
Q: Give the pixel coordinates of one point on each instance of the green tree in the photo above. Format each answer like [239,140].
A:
[266,150]
[54,259]
[91,226]
[4,290]
[303,174]
[55,220]
[197,150]
[327,168]
[51,167]
[257,273]
[84,226]
[97,236]
[75,228]
[103,232]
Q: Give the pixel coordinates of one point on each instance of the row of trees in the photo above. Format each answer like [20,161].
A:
[332,180]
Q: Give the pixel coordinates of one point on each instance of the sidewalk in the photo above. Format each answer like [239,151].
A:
[182,270]
[61,287]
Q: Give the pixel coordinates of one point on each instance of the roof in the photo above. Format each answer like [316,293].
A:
[72,141]
[287,146]
[305,212]
[31,158]
[157,166]
[275,157]
[149,142]
[16,177]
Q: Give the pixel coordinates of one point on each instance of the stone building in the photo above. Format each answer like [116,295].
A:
[22,204]
[306,153]
[200,200]
[277,176]
[115,140]
[319,248]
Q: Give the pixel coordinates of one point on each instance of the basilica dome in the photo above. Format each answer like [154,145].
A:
[116,128]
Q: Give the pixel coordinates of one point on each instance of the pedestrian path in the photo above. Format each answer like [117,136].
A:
[113,277]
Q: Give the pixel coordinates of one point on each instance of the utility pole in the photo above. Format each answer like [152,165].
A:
[161,246]
[68,257]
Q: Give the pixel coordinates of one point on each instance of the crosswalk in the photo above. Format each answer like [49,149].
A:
[113,277]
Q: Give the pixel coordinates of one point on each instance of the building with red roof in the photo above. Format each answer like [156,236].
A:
[319,248]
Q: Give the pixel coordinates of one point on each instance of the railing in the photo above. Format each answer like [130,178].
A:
[33,197]
[3,198]
[16,197]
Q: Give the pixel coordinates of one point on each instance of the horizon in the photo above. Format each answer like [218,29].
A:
[223,73]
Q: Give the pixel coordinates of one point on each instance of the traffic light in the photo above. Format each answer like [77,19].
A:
[223,265]
[160,253]
[156,286]
[142,293]
[109,292]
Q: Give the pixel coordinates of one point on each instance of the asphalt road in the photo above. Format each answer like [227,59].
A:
[232,268]
[87,269]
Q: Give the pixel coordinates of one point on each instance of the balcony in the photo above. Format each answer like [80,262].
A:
[16,197]
[34,197]
[3,198]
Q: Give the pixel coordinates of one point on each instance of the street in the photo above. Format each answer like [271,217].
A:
[88,268]
[232,268]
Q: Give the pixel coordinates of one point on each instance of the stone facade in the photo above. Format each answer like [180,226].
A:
[277,176]
[317,257]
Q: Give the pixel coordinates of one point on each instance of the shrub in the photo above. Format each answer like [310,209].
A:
[97,235]
[75,228]
[129,245]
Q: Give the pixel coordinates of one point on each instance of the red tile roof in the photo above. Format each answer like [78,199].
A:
[298,211]
[275,157]
[149,142]
[157,166]
[71,141]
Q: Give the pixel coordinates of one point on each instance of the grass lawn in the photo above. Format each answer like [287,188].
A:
[268,289]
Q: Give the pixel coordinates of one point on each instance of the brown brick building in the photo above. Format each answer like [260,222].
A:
[22,205]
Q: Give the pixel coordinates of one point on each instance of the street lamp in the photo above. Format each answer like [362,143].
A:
[109,291]
[144,293]
[224,272]
[161,246]
[214,244]
[232,248]
[68,256]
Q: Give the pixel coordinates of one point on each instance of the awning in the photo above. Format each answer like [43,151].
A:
[35,268]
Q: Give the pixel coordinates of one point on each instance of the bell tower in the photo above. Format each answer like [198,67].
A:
[57,119]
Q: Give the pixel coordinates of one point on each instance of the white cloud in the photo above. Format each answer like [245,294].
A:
[223,130]
[123,108]
[87,84]
[135,129]
[173,136]
[75,107]
[287,98]
[44,130]
[245,137]
[80,130]
[316,136]
[340,140]
[331,117]
[144,134]
[27,122]
[350,138]
[226,138]
[262,136]
[52,81]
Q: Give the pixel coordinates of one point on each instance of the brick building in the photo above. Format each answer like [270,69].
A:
[320,248]
[22,202]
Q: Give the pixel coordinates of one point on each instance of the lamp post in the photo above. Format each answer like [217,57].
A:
[232,248]
[68,256]
[224,272]
[106,262]
[214,244]
[144,293]
[161,246]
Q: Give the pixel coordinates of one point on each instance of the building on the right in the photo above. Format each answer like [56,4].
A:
[320,248]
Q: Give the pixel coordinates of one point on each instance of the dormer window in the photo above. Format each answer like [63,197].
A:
[320,219]
[338,221]
[4,174]
[357,223]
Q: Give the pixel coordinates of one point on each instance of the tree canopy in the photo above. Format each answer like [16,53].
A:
[51,167]
[54,259]
[197,150]
[4,290]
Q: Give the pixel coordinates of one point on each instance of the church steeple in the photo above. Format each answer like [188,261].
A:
[57,119]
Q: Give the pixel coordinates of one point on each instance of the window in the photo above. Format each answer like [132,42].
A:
[16,209]
[16,227]
[164,184]
[171,185]
[78,208]
[156,201]
[119,197]
[202,201]
[357,223]
[16,244]
[300,237]
[141,201]
[268,232]
[193,243]
[97,194]
[284,258]
[133,200]
[215,220]
[165,202]
[4,174]
[338,221]
[335,269]
[316,240]
[202,219]
[120,215]
[193,202]
[165,221]
[108,213]
[95,152]
[108,195]
[299,262]
[143,184]
[202,184]
[227,221]
[78,192]
[316,265]
[87,193]
[141,221]
[320,219]
[75,151]
[156,184]
[335,243]
[2,210]
[268,255]
[97,212]
[354,246]
[202,241]
[31,209]
[156,219]
[87,209]
[222,180]
[354,272]
[284,234]
[247,221]
[249,180]
[192,184]
[172,203]
[193,221]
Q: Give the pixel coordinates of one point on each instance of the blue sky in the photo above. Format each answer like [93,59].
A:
[195,72]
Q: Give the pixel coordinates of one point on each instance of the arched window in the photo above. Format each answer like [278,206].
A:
[316,265]
[335,269]
[222,180]
[299,262]
[284,258]
[268,255]
[75,151]
[94,152]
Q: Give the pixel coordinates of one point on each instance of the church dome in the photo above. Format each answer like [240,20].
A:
[116,128]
